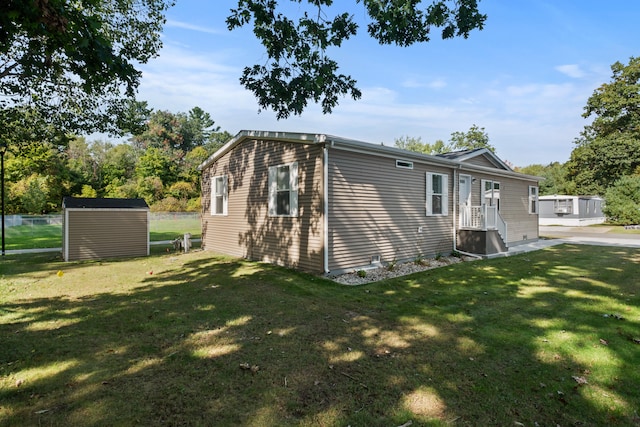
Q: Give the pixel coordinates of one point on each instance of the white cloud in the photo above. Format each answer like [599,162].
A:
[528,122]
[438,83]
[192,27]
[572,70]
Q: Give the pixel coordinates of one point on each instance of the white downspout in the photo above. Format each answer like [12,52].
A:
[325,202]
[456,184]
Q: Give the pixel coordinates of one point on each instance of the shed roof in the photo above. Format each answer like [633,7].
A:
[102,203]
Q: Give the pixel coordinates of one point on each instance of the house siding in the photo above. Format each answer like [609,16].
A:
[480,161]
[247,230]
[589,208]
[514,206]
[108,233]
[375,209]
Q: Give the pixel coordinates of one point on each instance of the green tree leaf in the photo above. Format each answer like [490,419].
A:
[623,201]
[73,63]
[475,137]
[298,69]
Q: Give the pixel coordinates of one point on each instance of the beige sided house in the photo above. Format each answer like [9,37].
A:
[95,228]
[327,204]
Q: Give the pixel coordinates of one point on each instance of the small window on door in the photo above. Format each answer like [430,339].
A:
[491,193]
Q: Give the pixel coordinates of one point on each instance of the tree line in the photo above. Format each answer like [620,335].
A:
[159,164]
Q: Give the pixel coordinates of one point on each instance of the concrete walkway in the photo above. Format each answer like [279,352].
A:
[597,236]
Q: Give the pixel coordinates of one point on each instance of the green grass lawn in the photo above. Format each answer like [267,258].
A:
[50,236]
[546,338]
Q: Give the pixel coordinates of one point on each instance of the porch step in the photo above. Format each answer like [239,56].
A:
[481,242]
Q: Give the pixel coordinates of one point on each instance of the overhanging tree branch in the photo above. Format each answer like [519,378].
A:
[299,70]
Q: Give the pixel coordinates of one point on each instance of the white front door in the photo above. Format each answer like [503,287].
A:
[464,200]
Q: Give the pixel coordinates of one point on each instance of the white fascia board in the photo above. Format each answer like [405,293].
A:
[369,148]
[294,137]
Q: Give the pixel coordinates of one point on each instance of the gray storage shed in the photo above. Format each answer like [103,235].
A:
[96,228]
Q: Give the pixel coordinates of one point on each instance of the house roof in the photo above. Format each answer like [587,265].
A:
[466,155]
[458,160]
[102,203]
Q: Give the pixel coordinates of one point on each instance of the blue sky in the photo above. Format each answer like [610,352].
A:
[525,78]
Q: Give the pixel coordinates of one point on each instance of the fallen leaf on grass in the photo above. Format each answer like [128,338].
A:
[580,380]
[614,316]
[248,367]
[561,397]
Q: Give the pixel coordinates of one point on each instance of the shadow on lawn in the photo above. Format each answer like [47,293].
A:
[482,343]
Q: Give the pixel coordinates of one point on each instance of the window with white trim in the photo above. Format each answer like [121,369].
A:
[283,190]
[533,199]
[437,194]
[490,193]
[219,195]
[563,206]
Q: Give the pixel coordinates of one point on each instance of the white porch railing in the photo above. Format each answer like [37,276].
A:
[483,218]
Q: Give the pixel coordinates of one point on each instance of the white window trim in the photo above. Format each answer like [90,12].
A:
[493,190]
[564,206]
[214,195]
[533,199]
[444,194]
[293,190]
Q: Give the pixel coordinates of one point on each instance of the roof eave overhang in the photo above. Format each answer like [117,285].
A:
[366,148]
[292,137]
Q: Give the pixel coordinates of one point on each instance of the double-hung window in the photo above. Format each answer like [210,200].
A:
[437,194]
[283,190]
[219,195]
[533,199]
